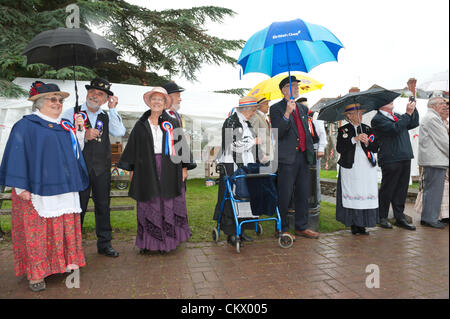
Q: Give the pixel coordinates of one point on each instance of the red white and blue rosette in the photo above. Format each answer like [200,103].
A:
[371,138]
[170,145]
[71,129]
[83,114]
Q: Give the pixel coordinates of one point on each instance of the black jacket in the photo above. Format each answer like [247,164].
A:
[393,137]
[346,148]
[235,125]
[288,135]
[139,157]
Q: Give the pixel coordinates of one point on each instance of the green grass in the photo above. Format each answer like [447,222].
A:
[201,201]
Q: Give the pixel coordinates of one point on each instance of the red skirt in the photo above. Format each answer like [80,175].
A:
[44,246]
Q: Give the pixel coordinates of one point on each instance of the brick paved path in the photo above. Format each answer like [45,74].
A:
[412,265]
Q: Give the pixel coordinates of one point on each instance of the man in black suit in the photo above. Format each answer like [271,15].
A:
[295,154]
[394,158]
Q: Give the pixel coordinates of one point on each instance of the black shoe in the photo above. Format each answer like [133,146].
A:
[402,223]
[444,220]
[109,252]
[245,237]
[434,225]
[356,230]
[363,231]
[385,223]
[143,251]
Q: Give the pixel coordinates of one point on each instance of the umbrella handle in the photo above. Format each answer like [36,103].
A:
[289,70]
[77,107]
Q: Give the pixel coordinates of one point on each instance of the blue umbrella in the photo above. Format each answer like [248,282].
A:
[288,46]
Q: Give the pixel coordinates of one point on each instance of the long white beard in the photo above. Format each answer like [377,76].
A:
[176,107]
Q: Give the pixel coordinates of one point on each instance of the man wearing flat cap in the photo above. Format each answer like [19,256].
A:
[97,154]
[295,154]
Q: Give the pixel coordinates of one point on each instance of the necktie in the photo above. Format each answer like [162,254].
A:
[250,127]
[172,113]
[394,117]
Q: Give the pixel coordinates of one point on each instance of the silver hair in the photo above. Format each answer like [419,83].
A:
[434,100]
[38,104]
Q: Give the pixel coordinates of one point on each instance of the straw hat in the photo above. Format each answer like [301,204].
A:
[352,107]
[40,89]
[247,102]
[156,89]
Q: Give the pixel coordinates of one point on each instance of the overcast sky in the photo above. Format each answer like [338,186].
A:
[385,41]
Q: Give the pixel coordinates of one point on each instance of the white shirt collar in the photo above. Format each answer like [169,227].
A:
[47,118]
[387,114]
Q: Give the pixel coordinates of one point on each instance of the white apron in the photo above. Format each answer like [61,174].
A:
[359,183]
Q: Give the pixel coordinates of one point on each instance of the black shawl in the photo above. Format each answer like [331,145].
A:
[139,157]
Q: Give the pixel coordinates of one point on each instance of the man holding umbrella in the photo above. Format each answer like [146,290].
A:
[97,154]
[295,154]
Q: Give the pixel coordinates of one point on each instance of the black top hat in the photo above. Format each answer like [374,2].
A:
[286,81]
[100,84]
[172,87]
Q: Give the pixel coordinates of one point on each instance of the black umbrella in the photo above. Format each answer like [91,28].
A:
[63,47]
[370,100]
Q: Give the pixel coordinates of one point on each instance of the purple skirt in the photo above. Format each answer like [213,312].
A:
[162,223]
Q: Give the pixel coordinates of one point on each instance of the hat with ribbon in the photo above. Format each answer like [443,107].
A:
[40,89]
[100,84]
[156,89]
[246,103]
[353,107]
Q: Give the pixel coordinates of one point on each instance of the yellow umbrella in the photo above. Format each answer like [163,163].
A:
[270,90]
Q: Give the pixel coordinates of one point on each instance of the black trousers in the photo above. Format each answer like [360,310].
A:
[100,186]
[394,188]
[290,175]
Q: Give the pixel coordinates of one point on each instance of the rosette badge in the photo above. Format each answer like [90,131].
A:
[169,142]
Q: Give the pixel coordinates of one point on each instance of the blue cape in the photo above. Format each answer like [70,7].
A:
[39,158]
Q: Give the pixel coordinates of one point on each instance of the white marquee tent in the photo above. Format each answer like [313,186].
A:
[204,113]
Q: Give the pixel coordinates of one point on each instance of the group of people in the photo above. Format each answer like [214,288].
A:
[55,162]
[359,202]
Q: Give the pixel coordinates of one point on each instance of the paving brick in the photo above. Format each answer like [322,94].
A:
[413,265]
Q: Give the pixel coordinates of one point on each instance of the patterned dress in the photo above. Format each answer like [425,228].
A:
[162,223]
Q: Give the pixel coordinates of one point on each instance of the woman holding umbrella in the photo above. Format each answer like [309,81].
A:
[44,166]
[357,190]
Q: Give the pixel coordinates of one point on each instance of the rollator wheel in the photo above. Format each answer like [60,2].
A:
[238,246]
[285,241]
[259,230]
[215,235]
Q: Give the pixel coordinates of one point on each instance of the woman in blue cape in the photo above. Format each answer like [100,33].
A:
[44,166]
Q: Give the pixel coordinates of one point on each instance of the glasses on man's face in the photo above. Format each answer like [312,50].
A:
[55,99]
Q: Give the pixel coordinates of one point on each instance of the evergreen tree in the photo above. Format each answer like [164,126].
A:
[171,42]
